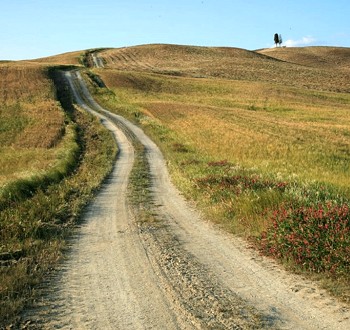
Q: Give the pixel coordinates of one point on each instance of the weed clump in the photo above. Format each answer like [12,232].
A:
[316,238]
[239,183]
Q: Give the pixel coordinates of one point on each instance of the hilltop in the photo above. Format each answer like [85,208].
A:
[70,58]
[328,68]
[335,58]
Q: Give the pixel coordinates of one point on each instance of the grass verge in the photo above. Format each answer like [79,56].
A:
[139,193]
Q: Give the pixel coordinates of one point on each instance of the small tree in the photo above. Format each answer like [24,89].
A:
[280,39]
[276,39]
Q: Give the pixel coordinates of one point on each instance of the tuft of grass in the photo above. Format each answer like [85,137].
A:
[139,186]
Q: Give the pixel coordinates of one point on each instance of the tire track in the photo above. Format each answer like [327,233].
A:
[123,59]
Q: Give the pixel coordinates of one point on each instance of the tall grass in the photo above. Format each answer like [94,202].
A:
[246,151]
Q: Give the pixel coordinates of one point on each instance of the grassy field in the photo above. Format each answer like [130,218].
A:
[263,153]
[333,58]
[49,151]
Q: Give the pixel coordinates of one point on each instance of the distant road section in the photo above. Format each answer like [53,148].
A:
[98,61]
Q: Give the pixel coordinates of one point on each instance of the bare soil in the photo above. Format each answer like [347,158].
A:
[180,272]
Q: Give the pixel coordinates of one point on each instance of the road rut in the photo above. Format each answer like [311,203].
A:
[178,273]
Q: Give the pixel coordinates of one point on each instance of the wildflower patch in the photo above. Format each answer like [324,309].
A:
[316,238]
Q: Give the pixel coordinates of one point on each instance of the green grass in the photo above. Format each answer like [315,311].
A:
[138,187]
[13,121]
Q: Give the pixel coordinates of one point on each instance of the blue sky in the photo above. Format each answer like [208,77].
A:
[38,28]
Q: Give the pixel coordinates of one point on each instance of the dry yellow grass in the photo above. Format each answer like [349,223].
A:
[290,131]
[31,121]
[334,58]
[70,58]
[251,108]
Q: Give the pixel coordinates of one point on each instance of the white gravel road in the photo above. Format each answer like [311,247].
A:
[182,273]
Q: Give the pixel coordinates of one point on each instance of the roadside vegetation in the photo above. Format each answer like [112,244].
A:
[266,160]
[53,158]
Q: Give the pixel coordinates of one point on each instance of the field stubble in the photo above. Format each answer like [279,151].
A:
[239,64]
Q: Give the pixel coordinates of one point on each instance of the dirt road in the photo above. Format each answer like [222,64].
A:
[178,273]
[97,61]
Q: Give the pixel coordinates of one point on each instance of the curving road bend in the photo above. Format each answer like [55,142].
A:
[180,273]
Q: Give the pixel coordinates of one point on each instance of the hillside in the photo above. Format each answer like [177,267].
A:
[70,58]
[334,58]
[27,108]
[285,66]
[48,150]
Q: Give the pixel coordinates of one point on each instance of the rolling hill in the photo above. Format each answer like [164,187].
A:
[320,68]
[334,58]
[70,58]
